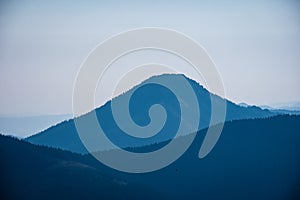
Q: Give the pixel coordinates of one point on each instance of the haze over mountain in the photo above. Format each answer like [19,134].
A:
[284,108]
[289,108]
[253,45]
[24,126]
[64,135]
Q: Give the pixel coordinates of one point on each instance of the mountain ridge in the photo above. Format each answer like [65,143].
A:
[256,158]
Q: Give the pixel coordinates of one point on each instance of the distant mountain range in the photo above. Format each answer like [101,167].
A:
[293,110]
[254,159]
[24,126]
[64,135]
[292,106]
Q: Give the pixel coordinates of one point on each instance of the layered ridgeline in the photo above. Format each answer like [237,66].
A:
[65,136]
[253,159]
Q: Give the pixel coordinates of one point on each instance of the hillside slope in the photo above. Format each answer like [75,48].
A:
[254,159]
[34,172]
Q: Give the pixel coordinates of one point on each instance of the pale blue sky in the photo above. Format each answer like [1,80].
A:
[254,44]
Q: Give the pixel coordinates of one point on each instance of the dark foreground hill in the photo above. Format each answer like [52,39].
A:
[254,159]
[65,136]
[35,172]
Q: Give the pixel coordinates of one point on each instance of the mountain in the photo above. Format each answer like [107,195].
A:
[291,106]
[288,110]
[253,159]
[284,110]
[64,135]
[243,105]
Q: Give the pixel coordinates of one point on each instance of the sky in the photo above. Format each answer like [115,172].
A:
[254,44]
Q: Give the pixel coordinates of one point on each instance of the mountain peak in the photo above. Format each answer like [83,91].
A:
[65,135]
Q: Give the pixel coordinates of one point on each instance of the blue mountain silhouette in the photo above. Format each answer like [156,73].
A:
[64,135]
